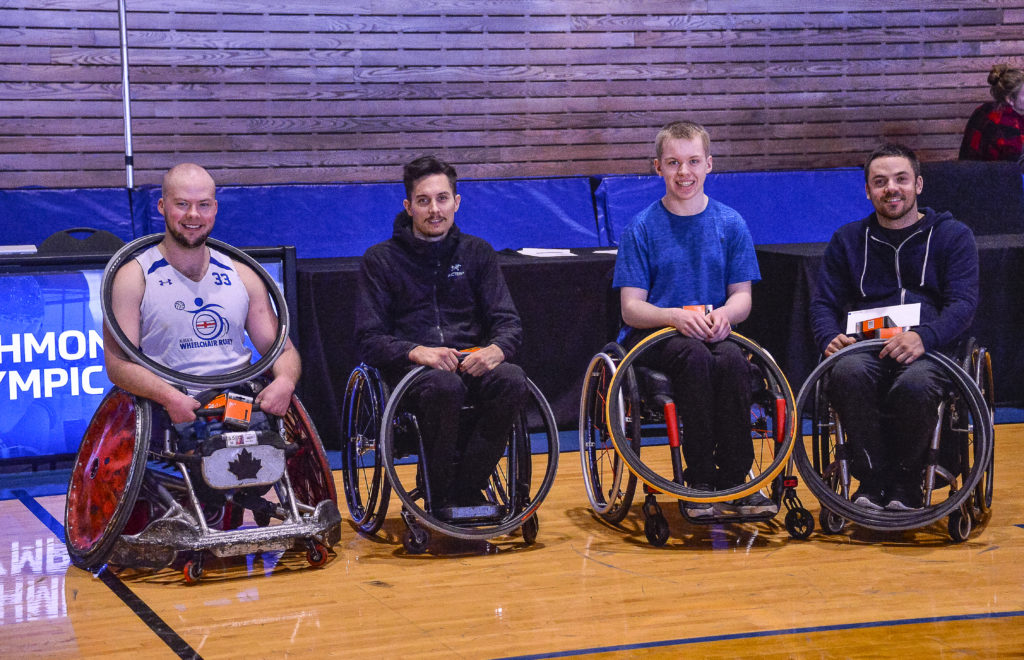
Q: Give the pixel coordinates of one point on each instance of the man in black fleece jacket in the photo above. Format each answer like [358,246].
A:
[897,255]
[426,295]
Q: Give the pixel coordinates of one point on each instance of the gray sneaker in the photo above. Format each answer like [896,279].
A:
[699,509]
[754,504]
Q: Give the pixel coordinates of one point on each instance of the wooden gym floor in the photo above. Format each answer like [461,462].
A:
[584,590]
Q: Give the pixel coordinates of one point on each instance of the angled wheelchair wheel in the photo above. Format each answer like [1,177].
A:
[978,364]
[772,428]
[610,486]
[821,459]
[514,488]
[248,372]
[308,468]
[367,489]
[106,477]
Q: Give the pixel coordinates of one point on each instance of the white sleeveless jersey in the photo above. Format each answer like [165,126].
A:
[194,327]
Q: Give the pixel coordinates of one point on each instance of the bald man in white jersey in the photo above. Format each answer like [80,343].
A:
[186,306]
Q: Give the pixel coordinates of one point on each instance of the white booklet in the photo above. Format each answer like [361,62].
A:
[903,316]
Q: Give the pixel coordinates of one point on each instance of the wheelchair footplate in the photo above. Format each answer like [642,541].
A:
[473,513]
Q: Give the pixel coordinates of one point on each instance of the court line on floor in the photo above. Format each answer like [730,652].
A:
[114,583]
[685,641]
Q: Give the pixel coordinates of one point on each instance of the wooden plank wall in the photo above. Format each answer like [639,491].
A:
[316,91]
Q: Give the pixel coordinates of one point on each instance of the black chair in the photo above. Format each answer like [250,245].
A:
[91,241]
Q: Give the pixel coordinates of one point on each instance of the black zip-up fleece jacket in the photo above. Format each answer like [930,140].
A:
[936,265]
[445,293]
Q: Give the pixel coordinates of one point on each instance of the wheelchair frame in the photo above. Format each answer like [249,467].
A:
[370,473]
[119,460]
[612,417]
[965,411]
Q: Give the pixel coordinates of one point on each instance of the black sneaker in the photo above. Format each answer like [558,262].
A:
[904,499]
[868,499]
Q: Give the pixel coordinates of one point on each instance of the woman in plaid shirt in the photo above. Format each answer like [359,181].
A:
[994,131]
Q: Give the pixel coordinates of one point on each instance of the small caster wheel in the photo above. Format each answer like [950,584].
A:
[262,518]
[416,540]
[656,530]
[316,554]
[192,571]
[831,523]
[959,526]
[530,529]
[799,523]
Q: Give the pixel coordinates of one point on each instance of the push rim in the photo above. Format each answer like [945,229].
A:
[246,373]
[672,488]
[899,520]
[484,531]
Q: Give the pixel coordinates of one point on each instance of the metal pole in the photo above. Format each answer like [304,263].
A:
[126,96]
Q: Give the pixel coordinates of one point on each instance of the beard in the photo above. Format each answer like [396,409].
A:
[182,241]
[908,206]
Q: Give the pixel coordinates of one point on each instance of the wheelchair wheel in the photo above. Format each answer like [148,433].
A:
[416,540]
[959,526]
[772,430]
[308,469]
[248,372]
[799,523]
[831,523]
[367,490]
[966,422]
[603,469]
[512,489]
[656,530]
[978,364]
[106,477]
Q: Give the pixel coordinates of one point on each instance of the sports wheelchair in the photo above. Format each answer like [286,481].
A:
[957,480]
[144,493]
[383,452]
[626,408]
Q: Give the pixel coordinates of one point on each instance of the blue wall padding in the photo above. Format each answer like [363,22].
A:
[779,207]
[29,215]
[343,220]
[517,213]
[319,220]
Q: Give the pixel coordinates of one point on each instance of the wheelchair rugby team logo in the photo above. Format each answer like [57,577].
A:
[208,324]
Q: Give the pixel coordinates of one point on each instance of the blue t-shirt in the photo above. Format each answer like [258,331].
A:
[685,259]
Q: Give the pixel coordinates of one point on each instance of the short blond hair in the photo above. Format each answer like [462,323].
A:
[684,130]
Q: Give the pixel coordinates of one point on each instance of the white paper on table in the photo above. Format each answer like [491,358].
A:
[904,316]
[17,249]
[547,252]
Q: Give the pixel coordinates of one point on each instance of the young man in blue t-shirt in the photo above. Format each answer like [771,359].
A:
[686,249]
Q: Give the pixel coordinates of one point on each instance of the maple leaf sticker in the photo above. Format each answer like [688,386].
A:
[245,466]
